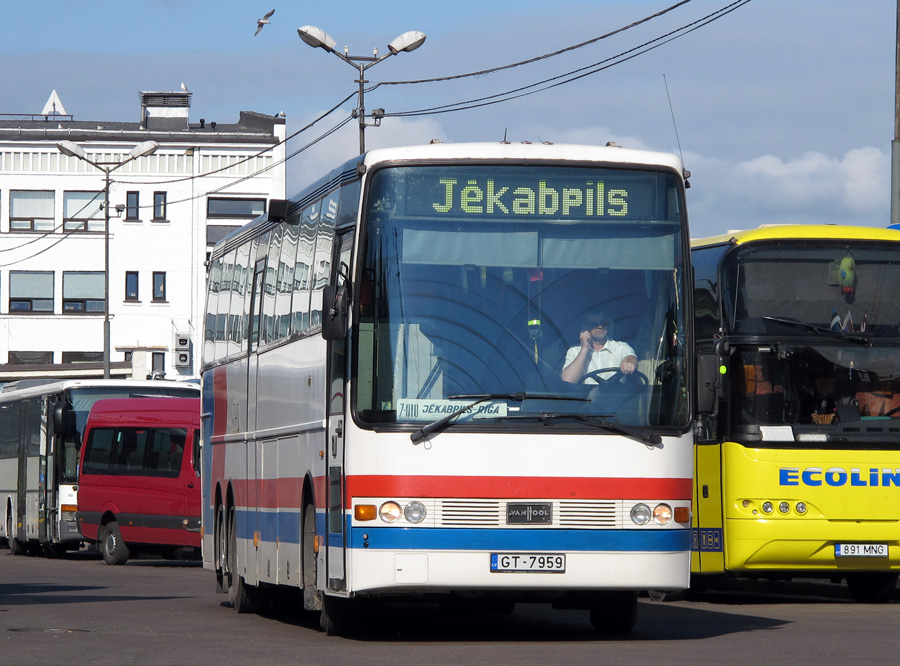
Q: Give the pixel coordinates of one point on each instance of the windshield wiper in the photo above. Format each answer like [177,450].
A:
[650,440]
[479,398]
[859,339]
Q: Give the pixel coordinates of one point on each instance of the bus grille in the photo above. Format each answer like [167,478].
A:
[570,514]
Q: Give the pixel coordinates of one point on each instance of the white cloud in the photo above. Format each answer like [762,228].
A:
[811,188]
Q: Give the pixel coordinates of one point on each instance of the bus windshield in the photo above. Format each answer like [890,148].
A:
[476,280]
[787,289]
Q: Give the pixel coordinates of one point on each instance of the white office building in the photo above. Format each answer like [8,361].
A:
[167,208]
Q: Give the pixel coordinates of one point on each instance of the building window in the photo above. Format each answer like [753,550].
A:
[159,286]
[31,210]
[216,232]
[82,357]
[159,205]
[83,211]
[131,286]
[30,357]
[84,292]
[229,207]
[132,206]
[31,291]
[158,362]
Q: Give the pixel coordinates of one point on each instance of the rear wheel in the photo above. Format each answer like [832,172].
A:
[312,601]
[614,612]
[112,547]
[872,588]
[239,592]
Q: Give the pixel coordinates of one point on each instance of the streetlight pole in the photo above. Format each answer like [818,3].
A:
[72,149]
[318,38]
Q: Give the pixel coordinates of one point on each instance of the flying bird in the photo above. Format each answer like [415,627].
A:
[263,21]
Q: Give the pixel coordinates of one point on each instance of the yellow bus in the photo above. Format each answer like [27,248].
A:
[797,466]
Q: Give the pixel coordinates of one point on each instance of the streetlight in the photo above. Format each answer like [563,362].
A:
[319,39]
[72,149]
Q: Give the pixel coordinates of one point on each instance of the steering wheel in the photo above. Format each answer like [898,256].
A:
[617,376]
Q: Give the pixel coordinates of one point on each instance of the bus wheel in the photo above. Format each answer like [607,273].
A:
[112,547]
[221,551]
[614,612]
[238,592]
[872,588]
[312,601]
[341,617]
[15,546]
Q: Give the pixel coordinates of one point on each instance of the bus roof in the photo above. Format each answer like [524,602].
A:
[799,231]
[28,389]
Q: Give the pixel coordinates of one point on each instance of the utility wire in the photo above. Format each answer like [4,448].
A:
[574,75]
[536,58]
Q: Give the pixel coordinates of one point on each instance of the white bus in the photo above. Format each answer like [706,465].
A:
[384,411]
[41,422]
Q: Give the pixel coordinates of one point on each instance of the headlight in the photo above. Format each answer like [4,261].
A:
[801,507]
[414,512]
[784,507]
[390,512]
[767,507]
[662,513]
[640,514]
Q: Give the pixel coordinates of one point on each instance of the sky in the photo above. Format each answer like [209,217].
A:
[783,111]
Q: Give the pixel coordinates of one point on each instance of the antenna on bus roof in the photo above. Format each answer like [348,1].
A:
[687,174]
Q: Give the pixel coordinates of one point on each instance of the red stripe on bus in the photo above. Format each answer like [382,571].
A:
[536,487]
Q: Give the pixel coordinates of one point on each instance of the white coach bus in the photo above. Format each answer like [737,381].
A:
[385,413]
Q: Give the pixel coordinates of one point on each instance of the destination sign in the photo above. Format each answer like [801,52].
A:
[414,411]
[530,193]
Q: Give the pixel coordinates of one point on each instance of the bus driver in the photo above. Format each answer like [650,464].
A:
[597,350]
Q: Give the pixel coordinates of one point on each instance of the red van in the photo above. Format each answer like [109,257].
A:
[139,477]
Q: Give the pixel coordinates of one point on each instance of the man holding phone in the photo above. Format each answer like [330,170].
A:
[595,351]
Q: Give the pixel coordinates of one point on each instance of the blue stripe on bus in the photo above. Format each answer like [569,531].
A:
[285,528]
[521,539]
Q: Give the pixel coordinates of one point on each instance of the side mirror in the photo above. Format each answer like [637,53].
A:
[63,419]
[708,382]
[335,308]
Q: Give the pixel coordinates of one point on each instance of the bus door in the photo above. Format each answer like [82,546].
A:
[337,363]
[708,534]
[48,511]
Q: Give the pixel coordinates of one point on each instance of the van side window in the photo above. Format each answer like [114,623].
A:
[99,451]
[166,452]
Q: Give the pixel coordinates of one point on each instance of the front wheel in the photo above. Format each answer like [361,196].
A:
[614,612]
[112,547]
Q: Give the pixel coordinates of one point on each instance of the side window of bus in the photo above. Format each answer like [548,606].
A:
[284,282]
[322,258]
[247,254]
[303,268]
[98,451]
[267,328]
[212,305]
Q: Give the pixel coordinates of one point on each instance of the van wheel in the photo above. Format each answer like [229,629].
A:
[112,547]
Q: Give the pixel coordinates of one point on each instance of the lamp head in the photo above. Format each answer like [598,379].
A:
[71,149]
[143,148]
[316,37]
[408,41]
